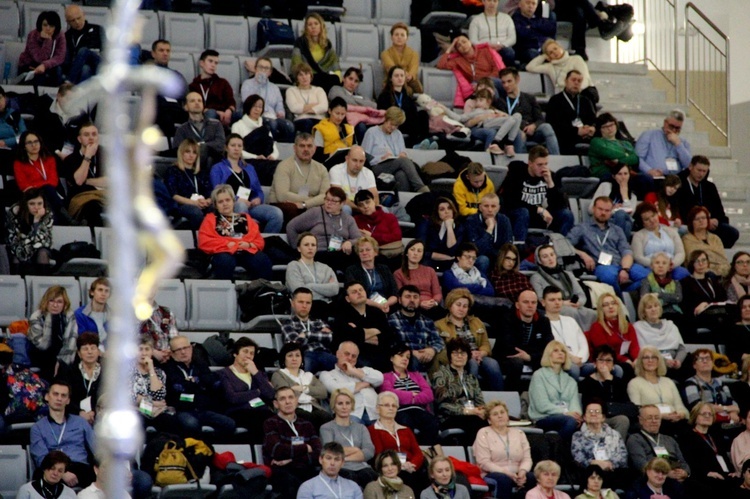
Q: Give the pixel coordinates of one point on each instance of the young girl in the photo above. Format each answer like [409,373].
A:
[495,127]
[662,200]
[482,84]
[30,232]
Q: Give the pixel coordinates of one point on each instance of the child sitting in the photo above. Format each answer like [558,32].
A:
[494,127]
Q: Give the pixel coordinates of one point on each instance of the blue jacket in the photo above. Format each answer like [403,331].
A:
[450,281]
[531,33]
[220,172]
[488,244]
[11,126]
[87,324]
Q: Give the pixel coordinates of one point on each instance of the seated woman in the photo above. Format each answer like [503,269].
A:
[308,103]
[389,484]
[551,273]
[189,186]
[651,387]
[315,276]
[738,336]
[441,234]
[385,144]
[464,274]
[656,482]
[353,436]
[703,294]
[45,51]
[316,50]
[425,278]
[149,389]
[612,328]
[503,453]
[663,199]
[400,54]
[373,221]
[699,238]
[661,283]
[396,93]
[84,378]
[258,141]
[246,390]
[592,481]
[469,63]
[52,333]
[703,387]
[737,281]
[458,399]
[30,233]
[607,151]
[603,386]
[232,239]
[459,324]
[654,238]
[619,189]
[658,332]
[333,132]
[36,167]
[547,474]
[553,394]
[414,395]
[507,279]
[243,179]
[598,444]
[49,484]
[310,391]
[556,62]
[377,278]
[443,481]
[387,434]
[361,111]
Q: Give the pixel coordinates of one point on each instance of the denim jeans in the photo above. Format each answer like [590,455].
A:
[319,360]
[608,274]
[488,372]
[192,422]
[84,65]
[281,129]
[521,220]
[544,134]
[257,265]
[561,423]
[193,214]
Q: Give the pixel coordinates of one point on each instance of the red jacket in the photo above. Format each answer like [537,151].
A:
[598,336]
[384,226]
[382,440]
[30,175]
[210,242]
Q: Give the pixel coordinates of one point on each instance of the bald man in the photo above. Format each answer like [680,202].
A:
[353,176]
[84,45]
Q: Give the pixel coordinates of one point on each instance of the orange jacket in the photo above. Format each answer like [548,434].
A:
[210,242]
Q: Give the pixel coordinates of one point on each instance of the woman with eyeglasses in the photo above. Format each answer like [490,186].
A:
[699,238]
[607,150]
[52,332]
[703,387]
[737,282]
[36,167]
[506,276]
[377,278]
[704,295]
[608,389]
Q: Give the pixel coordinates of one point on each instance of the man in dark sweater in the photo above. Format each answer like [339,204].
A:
[489,230]
[697,190]
[209,133]
[572,114]
[86,182]
[533,126]
[217,93]
[168,111]
[531,198]
[83,45]
[531,30]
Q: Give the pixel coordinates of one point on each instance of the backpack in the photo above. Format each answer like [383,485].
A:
[272,32]
[218,350]
[262,297]
[172,465]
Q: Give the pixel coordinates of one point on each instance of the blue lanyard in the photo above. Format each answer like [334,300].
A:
[399,98]
[515,103]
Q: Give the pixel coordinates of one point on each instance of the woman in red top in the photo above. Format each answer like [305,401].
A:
[36,167]
[612,328]
[662,200]
[232,239]
[373,221]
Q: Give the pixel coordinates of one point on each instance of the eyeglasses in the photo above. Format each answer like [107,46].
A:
[263,68]
[182,349]
[607,360]
[742,262]
[33,143]
[594,411]
[701,218]
[704,359]
[701,260]
[332,200]
[469,257]
[389,406]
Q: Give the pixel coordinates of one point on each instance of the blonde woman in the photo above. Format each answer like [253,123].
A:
[660,333]
[315,49]
[189,186]
[52,332]
[400,54]
[612,328]
[547,474]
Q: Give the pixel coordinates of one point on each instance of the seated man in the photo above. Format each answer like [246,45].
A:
[169,111]
[328,483]
[64,432]
[190,390]
[377,223]
[291,446]
[415,329]
[12,126]
[526,336]
[92,317]
[533,126]
[496,29]
[605,250]
[364,325]
[274,114]
[86,182]
[217,92]
[566,330]
[162,327]
[572,114]
[83,43]
[488,230]
[661,152]
[697,190]
[313,335]
[471,186]
[353,176]
[531,198]
[649,443]
[208,133]
[531,30]
[360,381]
[703,387]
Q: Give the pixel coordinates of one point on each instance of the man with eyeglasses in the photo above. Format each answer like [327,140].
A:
[703,387]
[274,115]
[464,274]
[663,151]
[649,443]
[697,190]
[190,390]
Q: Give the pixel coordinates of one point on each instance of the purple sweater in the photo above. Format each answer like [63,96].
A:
[50,52]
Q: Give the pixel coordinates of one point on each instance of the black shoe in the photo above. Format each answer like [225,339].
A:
[626,35]
[608,30]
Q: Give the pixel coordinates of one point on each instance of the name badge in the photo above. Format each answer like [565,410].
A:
[667,355]
[243,193]
[601,454]
[298,441]
[257,402]
[664,408]
[625,347]
[187,397]
[672,164]
[577,123]
[562,405]
[722,463]
[469,404]
[378,298]
[195,197]
[335,243]
[146,407]
[545,10]
[604,258]
[86,404]
[402,457]
[661,451]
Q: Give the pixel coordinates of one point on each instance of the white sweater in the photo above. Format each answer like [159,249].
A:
[499,29]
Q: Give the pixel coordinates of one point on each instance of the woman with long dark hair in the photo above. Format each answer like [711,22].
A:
[36,167]
[397,93]
[441,234]
[30,232]
[333,132]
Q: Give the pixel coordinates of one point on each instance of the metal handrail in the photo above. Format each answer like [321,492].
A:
[712,103]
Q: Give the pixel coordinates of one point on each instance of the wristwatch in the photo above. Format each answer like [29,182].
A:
[304,205]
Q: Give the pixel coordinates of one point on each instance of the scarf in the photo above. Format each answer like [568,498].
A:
[391,485]
[473,276]
[444,491]
[740,285]
[665,283]
[557,276]
[48,490]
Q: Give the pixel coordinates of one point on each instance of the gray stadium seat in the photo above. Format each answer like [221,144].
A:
[392,11]
[228,34]
[367,86]
[13,470]
[171,294]
[357,11]
[30,12]
[77,266]
[11,25]
[497,174]
[183,63]
[151,28]
[357,42]
[36,285]
[85,284]
[242,452]
[212,304]
[421,156]
[230,69]
[184,31]
[96,15]
[440,84]
[13,304]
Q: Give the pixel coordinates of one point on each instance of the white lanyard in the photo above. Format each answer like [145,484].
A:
[463,385]
[354,189]
[300,170]
[506,443]
[291,425]
[238,177]
[602,241]
[312,274]
[188,374]
[337,496]
[577,107]
[43,171]
[196,132]
[369,276]
[515,103]
[395,437]
[658,437]
[305,326]
[231,228]
[205,92]
[349,439]
[195,180]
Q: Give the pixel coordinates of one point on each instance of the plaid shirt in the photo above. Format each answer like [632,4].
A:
[510,284]
[418,334]
[312,334]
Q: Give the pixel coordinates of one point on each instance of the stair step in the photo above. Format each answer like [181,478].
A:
[728,194]
[649,108]
[621,81]
[721,167]
[608,94]
[619,69]
[712,152]
[643,122]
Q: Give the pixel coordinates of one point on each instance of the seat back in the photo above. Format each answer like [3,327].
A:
[357,42]
[440,84]
[13,470]
[229,69]
[183,63]
[37,285]
[392,11]
[11,25]
[212,304]
[97,15]
[13,304]
[151,28]
[357,11]
[185,31]
[65,235]
[171,294]
[511,399]
[228,34]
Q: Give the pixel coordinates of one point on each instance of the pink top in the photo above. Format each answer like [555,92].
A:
[423,278]
[538,493]
[492,455]
[47,51]
[424,397]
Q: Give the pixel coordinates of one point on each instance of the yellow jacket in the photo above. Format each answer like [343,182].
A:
[467,197]
[332,141]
